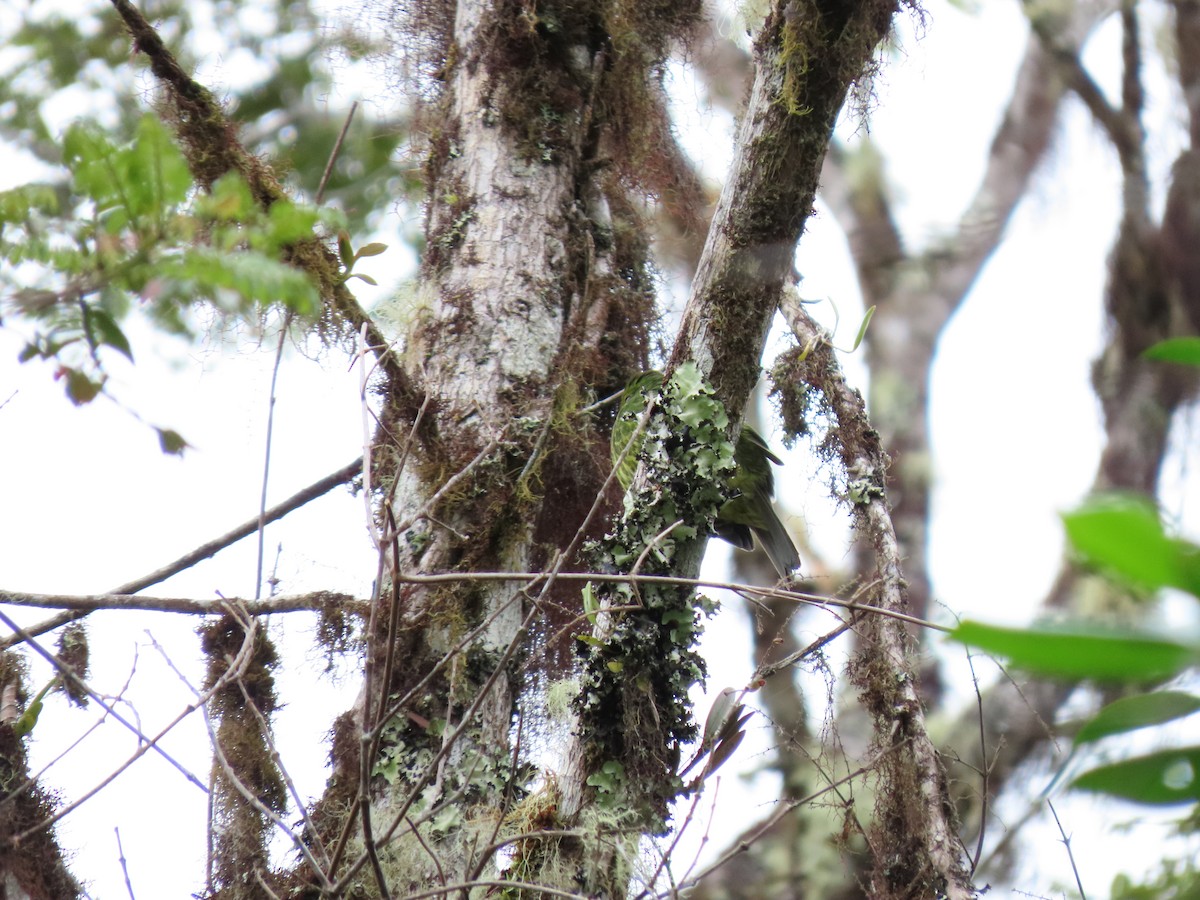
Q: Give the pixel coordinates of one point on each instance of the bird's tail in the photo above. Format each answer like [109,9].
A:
[777,544]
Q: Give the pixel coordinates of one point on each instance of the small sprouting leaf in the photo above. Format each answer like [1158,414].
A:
[367,278]
[345,250]
[1183,350]
[862,329]
[615,666]
[591,605]
[372,249]
[171,442]
[1142,711]
[1165,777]
[1062,653]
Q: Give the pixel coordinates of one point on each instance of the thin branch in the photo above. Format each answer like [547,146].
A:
[1071,856]
[262,500]
[69,674]
[124,867]
[321,599]
[204,551]
[333,155]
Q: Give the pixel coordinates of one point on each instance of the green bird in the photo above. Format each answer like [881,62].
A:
[749,512]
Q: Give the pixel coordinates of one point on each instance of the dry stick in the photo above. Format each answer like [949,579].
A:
[333,155]
[665,856]
[262,500]
[985,772]
[863,457]
[204,551]
[124,867]
[1067,843]
[315,601]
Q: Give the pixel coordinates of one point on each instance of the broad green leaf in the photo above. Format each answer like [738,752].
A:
[1165,777]
[103,329]
[1142,711]
[1076,654]
[1122,535]
[1184,350]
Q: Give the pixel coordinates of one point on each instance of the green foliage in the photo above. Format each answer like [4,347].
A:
[1123,538]
[1077,651]
[633,701]
[133,231]
[1184,350]
[748,481]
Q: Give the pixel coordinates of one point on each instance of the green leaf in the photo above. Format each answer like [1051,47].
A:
[80,388]
[1183,350]
[155,174]
[1122,535]
[88,153]
[367,278]
[230,199]
[291,223]
[373,249]
[171,442]
[1076,654]
[1132,713]
[1165,777]
[18,203]
[103,329]
[862,329]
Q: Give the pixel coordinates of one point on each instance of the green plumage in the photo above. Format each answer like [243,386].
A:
[749,512]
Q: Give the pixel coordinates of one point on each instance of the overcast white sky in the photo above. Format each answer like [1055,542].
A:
[90,502]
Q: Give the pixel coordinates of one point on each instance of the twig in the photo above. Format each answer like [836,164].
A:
[320,599]
[333,155]
[262,500]
[204,551]
[124,867]
[70,675]
[986,769]
[784,809]
[1067,843]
